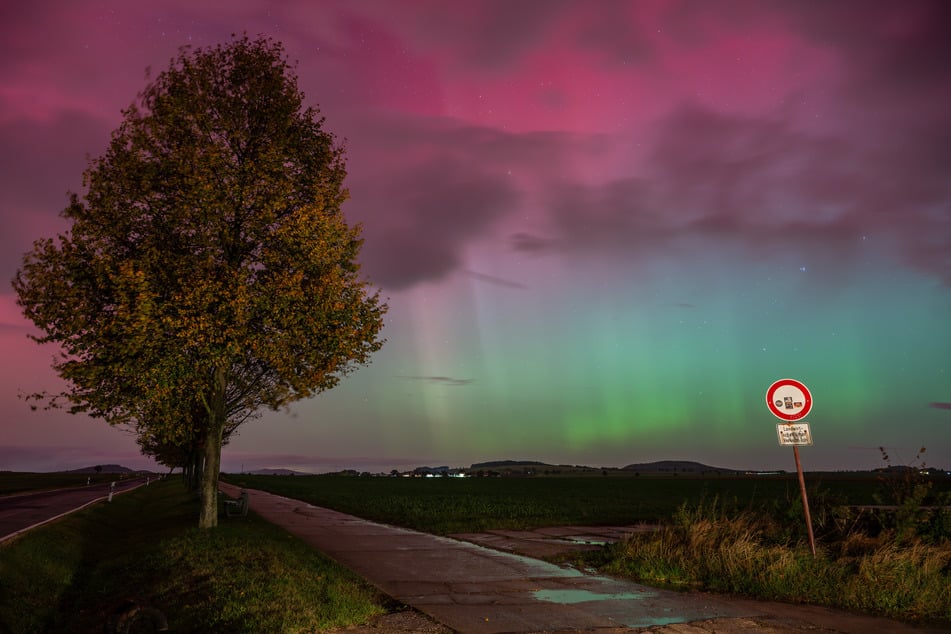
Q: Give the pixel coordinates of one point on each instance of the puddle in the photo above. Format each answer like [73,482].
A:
[583,596]
[657,621]
[586,542]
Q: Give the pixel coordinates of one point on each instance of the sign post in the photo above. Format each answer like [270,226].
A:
[790,400]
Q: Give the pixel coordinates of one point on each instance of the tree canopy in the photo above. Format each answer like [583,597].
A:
[208,270]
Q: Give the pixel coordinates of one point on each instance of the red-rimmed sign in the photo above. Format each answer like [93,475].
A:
[788,399]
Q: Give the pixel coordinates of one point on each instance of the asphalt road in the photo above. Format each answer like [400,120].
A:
[22,511]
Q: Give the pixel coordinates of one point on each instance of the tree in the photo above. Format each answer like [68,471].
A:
[208,271]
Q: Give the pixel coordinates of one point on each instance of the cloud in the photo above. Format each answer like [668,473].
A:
[39,164]
[490,35]
[901,50]
[491,279]
[427,186]
[530,243]
[939,405]
[442,380]
[765,184]
[420,216]
[426,189]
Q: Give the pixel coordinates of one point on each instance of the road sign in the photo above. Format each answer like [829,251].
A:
[788,399]
[795,434]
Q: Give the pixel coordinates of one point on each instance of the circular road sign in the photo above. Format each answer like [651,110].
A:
[788,399]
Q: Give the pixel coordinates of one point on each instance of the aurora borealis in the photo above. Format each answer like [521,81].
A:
[604,228]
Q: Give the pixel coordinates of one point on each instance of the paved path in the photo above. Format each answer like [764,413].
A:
[22,511]
[473,589]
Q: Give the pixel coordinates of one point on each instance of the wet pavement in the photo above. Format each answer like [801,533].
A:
[550,541]
[472,588]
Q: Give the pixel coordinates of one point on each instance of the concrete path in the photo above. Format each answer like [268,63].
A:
[473,589]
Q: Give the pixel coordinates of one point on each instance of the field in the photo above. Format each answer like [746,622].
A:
[448,505]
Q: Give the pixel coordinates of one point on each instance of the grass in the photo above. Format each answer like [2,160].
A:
[752,554]
[245,576]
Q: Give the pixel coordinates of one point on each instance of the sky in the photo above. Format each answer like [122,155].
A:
[604,228]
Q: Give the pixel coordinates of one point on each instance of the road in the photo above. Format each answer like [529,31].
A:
[22,511]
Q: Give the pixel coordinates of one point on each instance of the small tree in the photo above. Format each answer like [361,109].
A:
[208,271]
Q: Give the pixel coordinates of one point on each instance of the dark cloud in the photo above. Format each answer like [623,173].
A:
[898,47]
[419,217]
[938,405]
[491,279]
[427,188]
[442,380]
[531,243]
[492,36]
[489,34]
[40,163]
[768,185]
[613,28]
[424,190]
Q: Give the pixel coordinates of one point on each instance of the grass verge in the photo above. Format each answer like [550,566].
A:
[888,574]
[86,570]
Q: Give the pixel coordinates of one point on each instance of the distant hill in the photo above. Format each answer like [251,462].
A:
[105,468]
[497,464]
[675,466]
[661,466]
[290,472]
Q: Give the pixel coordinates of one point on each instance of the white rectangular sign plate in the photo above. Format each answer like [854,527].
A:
[794,434]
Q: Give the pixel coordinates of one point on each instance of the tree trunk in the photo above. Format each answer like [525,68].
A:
[208,518]
[197,461]
[188,471]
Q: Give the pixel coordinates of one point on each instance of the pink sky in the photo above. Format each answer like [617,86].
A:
[513,145]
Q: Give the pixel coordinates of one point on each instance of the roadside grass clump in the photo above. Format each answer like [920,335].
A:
[747,553]
[35,571]
[905,579]
[248,576]
[142,550]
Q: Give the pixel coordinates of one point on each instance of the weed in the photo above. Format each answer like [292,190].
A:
[913,508]
[741,554]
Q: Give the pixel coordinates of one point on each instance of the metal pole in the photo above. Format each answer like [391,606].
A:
[805,501]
